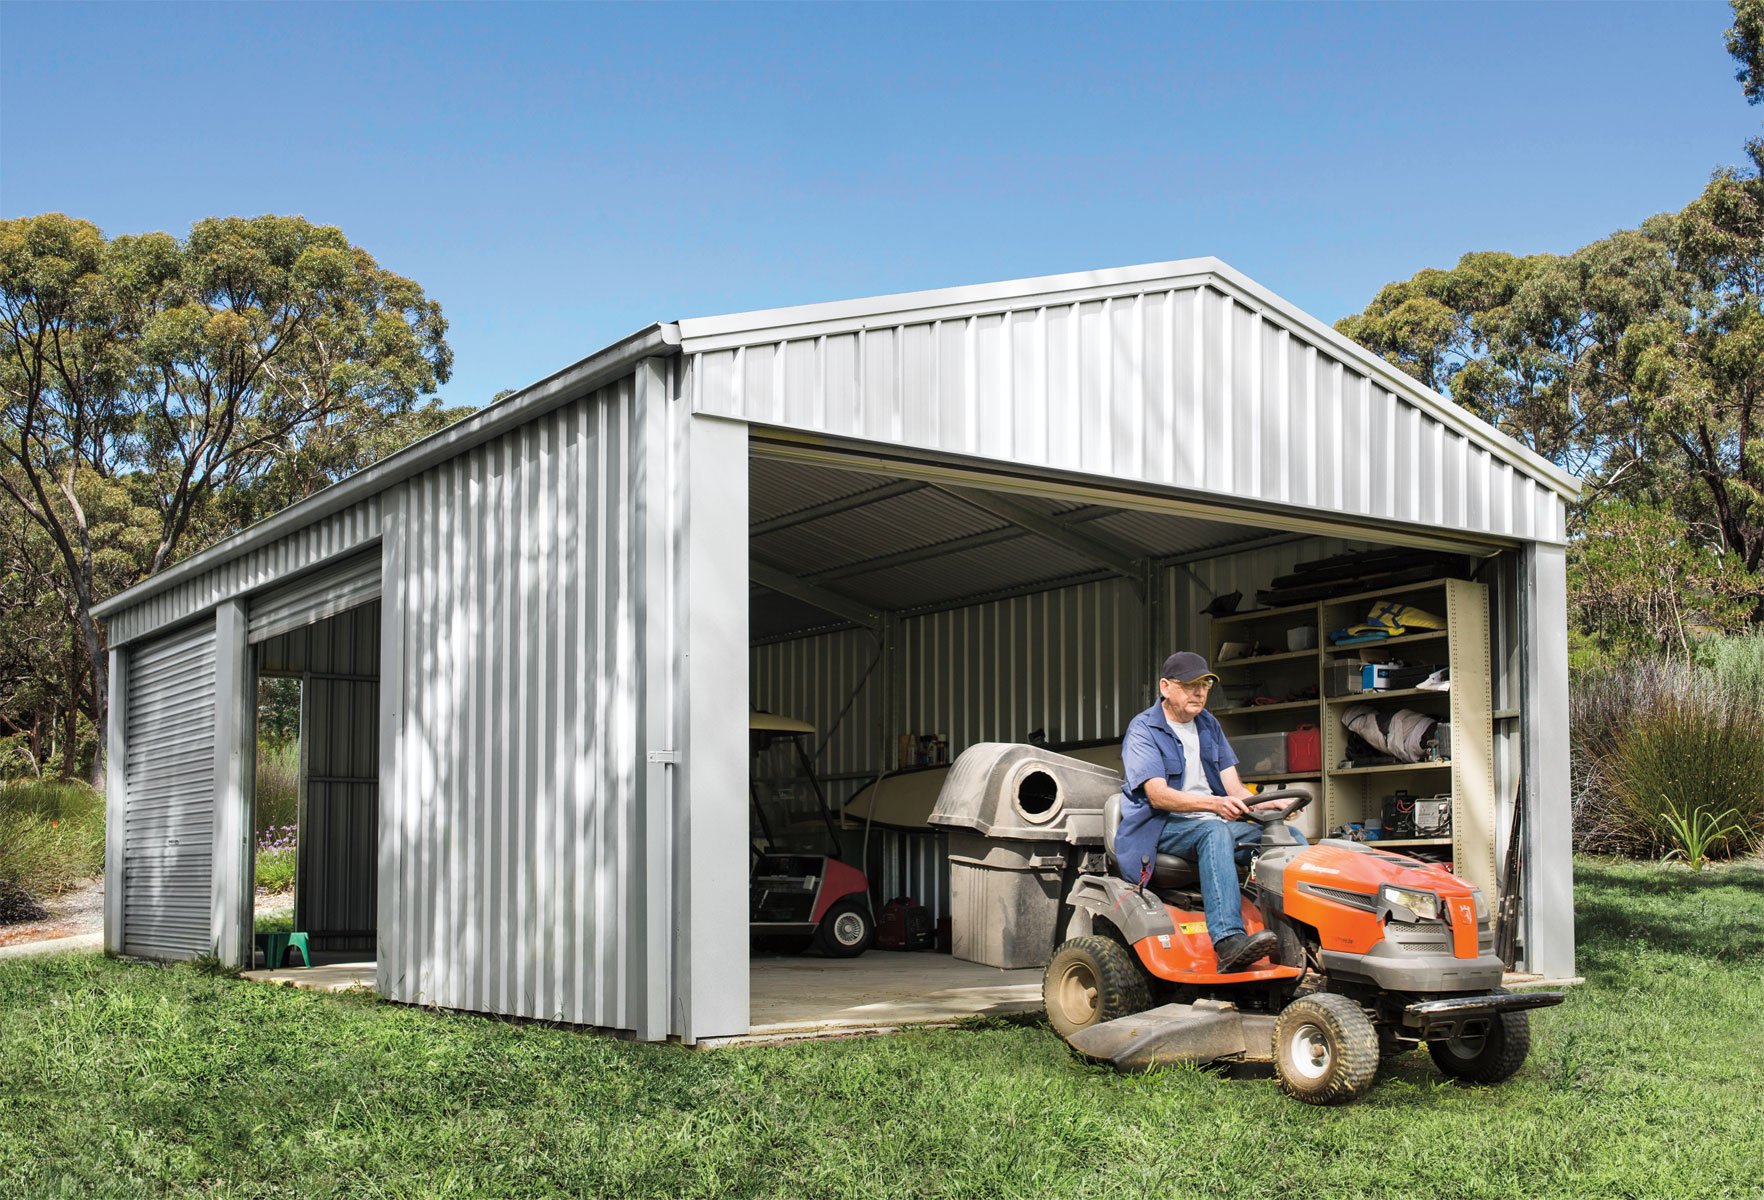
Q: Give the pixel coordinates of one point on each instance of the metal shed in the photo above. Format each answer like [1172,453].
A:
[985,510]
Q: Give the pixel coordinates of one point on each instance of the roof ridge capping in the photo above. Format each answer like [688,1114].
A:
[732,330]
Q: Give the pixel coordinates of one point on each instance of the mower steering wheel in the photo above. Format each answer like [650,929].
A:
[1274,816]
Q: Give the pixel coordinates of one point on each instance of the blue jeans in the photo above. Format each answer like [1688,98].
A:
[1215,848]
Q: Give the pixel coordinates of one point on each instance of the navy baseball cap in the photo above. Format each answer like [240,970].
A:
[1185,666]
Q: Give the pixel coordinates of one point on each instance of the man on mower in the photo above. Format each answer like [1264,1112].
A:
[1181,795]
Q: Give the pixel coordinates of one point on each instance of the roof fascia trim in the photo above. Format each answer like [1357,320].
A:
[535,400]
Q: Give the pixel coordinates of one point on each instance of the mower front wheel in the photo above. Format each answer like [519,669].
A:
[1488,1057]
[1325,1050]
[1090,980]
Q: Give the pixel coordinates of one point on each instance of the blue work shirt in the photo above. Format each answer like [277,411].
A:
[1151,751]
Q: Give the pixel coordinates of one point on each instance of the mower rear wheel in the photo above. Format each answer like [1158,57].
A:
[847,929]
[1325,1050]
[1488,1057]
[1090,980]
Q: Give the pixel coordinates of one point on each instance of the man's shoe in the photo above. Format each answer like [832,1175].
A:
[1238,951]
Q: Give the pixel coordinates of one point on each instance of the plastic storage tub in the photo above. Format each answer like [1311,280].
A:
[1260,753]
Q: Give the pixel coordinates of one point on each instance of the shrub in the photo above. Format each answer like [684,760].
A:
[1736,664]
[275,858]
[51,839]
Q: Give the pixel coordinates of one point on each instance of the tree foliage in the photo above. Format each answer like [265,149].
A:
[156,394]
[1636,362]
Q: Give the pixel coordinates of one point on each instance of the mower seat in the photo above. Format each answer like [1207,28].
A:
[1168,871]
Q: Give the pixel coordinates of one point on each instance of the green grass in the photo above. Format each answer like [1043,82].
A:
[124,1079]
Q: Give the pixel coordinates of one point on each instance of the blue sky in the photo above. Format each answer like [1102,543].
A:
[559,175]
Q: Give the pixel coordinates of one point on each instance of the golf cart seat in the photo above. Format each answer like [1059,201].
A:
[1168,871]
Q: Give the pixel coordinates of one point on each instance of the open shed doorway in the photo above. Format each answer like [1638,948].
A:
[907,614]
[316,794]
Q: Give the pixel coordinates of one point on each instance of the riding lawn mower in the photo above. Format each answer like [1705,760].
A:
[1376,952]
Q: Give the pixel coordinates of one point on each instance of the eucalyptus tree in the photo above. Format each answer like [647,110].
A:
[161,374]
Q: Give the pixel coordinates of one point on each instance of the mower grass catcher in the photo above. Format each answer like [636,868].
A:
[1376,953]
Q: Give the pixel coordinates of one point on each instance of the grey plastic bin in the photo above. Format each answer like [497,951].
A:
[1017,817]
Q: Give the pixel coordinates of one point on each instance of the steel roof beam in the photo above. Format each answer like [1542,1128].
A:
[1101,551]
[826,599]
[833,507]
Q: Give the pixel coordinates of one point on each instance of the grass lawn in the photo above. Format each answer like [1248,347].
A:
[124,1079]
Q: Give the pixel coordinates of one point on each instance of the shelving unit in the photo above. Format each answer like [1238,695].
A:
[1355,793]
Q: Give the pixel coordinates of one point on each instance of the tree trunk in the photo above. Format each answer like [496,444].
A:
[98,657]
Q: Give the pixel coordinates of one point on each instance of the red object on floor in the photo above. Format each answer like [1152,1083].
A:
[904,924]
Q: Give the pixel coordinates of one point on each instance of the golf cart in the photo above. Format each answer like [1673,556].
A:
[800,893]
[1376,952]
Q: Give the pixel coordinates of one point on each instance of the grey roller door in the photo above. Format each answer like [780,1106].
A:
[315,595]
[168,848]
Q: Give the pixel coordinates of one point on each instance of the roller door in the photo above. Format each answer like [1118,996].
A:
[316,595]
[168,849]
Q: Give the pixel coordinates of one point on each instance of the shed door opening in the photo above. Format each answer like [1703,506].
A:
[317,783]
[908,615]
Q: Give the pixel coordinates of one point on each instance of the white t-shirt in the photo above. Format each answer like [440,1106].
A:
[1194,776]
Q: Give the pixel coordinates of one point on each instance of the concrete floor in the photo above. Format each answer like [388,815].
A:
[326,977]
[797,997]
[807,996]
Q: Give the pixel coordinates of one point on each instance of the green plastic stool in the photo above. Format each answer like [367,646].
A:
[276,947]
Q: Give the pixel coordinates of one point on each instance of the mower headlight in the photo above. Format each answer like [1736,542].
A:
[1424,905]
[1481,905]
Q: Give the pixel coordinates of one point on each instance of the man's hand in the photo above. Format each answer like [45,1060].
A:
[1269,805]
[1230,807]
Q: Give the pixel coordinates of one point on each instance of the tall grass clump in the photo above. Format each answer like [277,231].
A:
[1667,760]
[278,782]
[1736,663]
[51,839]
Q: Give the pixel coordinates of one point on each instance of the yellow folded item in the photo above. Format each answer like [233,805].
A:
[1392,618]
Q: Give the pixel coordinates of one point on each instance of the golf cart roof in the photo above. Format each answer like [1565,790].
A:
[773,723]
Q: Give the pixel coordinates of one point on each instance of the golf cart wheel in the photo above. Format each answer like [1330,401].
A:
[1325,1050]
[1489,1056]
[847,930]
[1090,980]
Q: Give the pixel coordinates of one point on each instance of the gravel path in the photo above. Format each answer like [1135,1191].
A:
[81,911]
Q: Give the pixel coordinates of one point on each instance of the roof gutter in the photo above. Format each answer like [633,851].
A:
[597,370]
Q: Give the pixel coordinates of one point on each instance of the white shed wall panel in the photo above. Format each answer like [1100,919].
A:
[328,537]
[168,823]
[1187,387]
[509,827]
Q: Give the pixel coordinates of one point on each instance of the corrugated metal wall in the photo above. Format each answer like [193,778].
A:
[336,885]
[1187,387]
[507,854]
[168,848]
[328,537]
